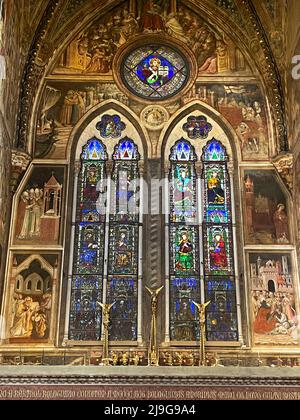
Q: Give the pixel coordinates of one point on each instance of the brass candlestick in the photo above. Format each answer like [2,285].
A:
[106,307]
[153,357]
[202,318]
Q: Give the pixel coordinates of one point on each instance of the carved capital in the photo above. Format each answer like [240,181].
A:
[284,165]
[19,163]
[142,167]
[167,167]
[199,168]
[109,166]
[230,167]
[77,167]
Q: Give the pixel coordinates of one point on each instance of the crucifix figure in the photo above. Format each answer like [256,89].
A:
[153,358]
[202,319]
[106,307]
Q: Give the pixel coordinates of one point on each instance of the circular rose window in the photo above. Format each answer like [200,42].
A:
[154,72]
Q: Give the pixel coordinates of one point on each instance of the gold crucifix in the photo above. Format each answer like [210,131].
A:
[202,320]
[153,358]
[106,307]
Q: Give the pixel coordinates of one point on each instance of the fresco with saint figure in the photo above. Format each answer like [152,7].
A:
[40,207]
[265,207]
[33,300]
[273,299]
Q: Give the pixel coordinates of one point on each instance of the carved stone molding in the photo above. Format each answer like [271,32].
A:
[191,379]
[19,163]
[199,168]
[32,74]
[154,117]
[142,167]
[109,166]
[284,165]
[269,68]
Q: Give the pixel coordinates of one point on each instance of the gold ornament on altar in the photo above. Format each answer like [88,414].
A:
[202,319]
[153,357]
[106,307]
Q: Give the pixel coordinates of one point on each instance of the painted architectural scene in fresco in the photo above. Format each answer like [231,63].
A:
[31,298]
[244,108]
[273,308]
[40,207]
[93,50]
[63,105]
[266,212]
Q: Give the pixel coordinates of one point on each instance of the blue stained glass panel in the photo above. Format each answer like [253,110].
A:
[214,151]
[94,150]
[126,150]
[221,312]
[184,324]
[123,315]
[155,70]
[197,127]
[85,313]
[88,258]
[183,193]
[123,248]
[110,126]
[183,151]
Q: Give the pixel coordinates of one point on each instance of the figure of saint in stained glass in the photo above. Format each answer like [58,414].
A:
[183,193]
[123,254]
[197,127]
[110,126]
[218,255]
[184,254]
[215,192]
[155,71]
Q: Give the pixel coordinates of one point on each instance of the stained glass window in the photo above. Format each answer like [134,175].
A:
[218,247]
[197,127]
[110,126]
[123,242]
[184,243]
[87,279]
[155,72]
